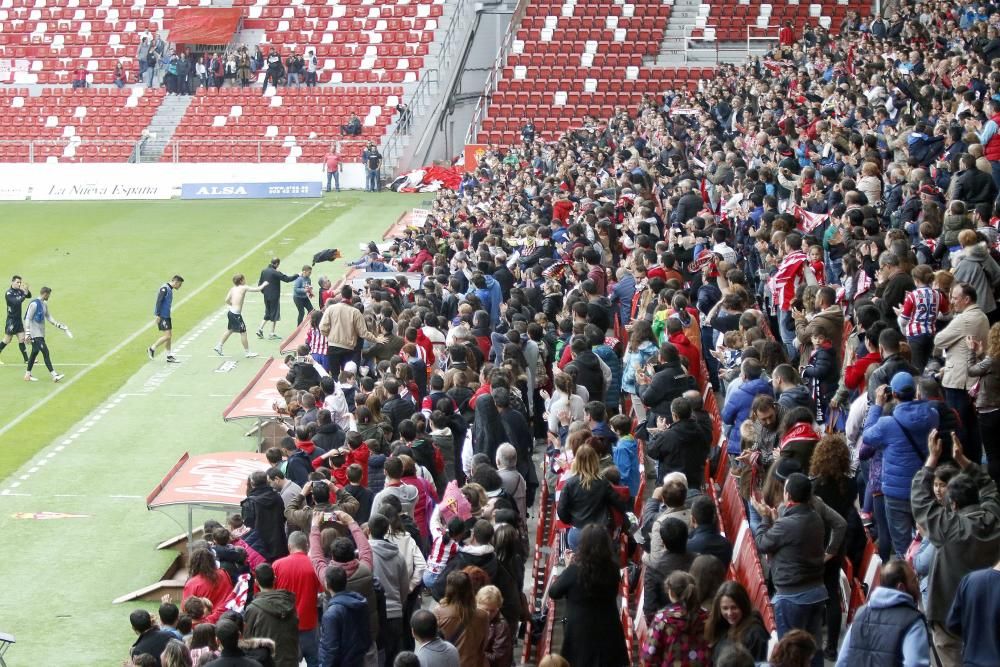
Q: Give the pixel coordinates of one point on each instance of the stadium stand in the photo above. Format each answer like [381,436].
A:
[294,123]
[60,122]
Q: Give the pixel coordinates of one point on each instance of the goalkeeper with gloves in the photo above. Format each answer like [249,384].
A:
[34,324]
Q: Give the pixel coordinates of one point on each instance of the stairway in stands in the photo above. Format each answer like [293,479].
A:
[162,127]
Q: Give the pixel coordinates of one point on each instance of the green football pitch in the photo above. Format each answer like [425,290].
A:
[78,458]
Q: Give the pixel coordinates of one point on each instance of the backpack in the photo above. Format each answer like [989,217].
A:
[39,314]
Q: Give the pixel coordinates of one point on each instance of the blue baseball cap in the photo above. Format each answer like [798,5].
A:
[903,386]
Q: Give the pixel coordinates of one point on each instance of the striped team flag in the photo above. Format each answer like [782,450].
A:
[808,221]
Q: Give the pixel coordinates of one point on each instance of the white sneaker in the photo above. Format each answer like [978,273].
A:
[251,355]
[57,376]
[28,377]
[150,352]
[218,350]
[171,359]
[274,336]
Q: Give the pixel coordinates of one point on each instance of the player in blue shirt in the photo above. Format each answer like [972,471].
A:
[164,302]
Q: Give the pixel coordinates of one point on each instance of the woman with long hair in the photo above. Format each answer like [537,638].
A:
[641,349]
[204,645]
[984,363]
[733,620]
[676,635]
[587,498]
[594,636]
[564,397]
[834,484]
[461,623]
[207,581]
[176,654]
[487,428]
[509,547]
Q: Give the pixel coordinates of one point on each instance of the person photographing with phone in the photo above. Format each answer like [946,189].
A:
[965,531]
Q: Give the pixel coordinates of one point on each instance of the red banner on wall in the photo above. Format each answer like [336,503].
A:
[202,25]
[473,153]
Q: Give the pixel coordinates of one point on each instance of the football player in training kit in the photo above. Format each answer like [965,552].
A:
[164,303]
[14,326]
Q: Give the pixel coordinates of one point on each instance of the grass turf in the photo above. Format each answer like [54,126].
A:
[106,260]
[104,467]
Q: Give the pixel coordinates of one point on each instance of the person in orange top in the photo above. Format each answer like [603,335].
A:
[208,582]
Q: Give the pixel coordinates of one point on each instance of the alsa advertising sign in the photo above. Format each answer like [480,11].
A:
[70,191]
[295,190]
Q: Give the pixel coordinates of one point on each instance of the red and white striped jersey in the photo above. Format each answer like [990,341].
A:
[316,341]
[791,273]
[920,311]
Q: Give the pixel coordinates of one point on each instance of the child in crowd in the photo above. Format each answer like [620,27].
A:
[817,264]
[315,339]
[626,453]
[918,315]
[822,372]
[446,544]
[943,280]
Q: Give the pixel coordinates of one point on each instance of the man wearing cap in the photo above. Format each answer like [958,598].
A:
[792,538]
[902,436]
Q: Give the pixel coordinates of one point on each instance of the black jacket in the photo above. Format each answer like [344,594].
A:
[883,374]
[579,506]
[684,448]
[707,540]
[796,548]
[397,409]
[974,187]
[655,575]
[152,642]
[892,296]
[589,374]
[669,382]
[303,375]
[273,277]
[329,437]
[264,511]
[796,397]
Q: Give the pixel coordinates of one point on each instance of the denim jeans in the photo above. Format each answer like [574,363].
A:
[900,517]
[294,78]
[786,326]
[309,646]
[372,184]
[792,615]
[333,176]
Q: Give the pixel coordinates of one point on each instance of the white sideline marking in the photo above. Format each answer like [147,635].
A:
[142,330]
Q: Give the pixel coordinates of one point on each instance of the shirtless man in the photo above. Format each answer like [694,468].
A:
[237,294]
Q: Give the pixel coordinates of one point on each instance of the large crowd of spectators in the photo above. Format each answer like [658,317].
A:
[814,232]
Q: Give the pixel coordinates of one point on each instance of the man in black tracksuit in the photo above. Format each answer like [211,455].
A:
[272,295]
[14,326]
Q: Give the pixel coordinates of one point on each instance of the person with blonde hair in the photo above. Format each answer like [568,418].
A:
[553,660]
[586,499]
[499,641]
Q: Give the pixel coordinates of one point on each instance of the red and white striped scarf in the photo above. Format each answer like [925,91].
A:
[808,221]
[787,279]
